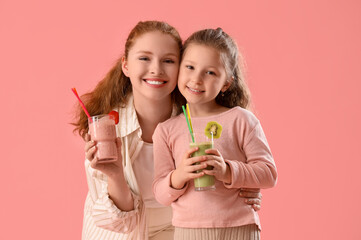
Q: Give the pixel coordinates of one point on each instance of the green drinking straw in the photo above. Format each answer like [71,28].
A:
[189,117]
[189,126]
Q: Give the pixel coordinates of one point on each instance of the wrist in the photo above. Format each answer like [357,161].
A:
[175,182]
[117,178]
[228,175]
[115,173]
[120,193]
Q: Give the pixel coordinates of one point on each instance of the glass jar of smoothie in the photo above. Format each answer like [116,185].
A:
[102,131]
[206,182]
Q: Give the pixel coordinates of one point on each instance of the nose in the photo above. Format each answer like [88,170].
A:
[156,68]
[197,78]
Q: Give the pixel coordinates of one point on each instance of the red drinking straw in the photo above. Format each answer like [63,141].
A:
[80,101]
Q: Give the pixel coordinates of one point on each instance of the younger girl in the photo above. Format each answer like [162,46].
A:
[212,83]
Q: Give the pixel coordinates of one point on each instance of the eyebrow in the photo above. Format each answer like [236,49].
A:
[191,62]
[149,52]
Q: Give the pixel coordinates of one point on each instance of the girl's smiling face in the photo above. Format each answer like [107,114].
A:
[152,65]
[202,76]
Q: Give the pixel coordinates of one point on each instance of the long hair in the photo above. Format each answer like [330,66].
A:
[238,93]
[114,89]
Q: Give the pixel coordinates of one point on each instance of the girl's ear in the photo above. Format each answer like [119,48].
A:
[227,84]
[125,67]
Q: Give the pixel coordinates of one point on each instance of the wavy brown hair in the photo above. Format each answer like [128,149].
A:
[238,93]
[113,90]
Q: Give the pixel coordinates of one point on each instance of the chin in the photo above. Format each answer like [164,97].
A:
[159,97]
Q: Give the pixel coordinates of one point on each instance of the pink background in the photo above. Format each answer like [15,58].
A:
[302,59]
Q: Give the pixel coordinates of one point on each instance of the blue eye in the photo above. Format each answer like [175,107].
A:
[190,67]
[211,73]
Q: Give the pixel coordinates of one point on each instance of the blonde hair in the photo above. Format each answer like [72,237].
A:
[238,93]
[114,89]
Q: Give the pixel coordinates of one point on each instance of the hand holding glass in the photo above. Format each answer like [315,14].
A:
[206,182]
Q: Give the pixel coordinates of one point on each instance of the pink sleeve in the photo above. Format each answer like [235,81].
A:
[163,168]
[259,171]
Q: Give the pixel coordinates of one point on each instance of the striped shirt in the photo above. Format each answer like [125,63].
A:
[102,219]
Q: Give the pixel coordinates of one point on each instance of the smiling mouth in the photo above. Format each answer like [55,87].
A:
[155,82]
[195,90]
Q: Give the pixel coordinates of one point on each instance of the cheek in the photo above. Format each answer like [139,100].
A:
[182,75]
[181,80]
[174,73]
[133,70]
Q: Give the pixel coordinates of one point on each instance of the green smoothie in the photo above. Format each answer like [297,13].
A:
[205,182]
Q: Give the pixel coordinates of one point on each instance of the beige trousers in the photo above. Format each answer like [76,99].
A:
[247,232]
[159,222]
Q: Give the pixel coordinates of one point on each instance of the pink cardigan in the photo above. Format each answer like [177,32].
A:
[243,146]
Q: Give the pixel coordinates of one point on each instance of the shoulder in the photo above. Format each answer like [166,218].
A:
[243,115]
[171,122]
[169,125]
[128,119]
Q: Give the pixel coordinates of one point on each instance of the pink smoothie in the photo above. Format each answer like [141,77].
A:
[102,131]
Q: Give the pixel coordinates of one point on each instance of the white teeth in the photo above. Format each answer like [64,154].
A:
[154,82]
[194,90]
